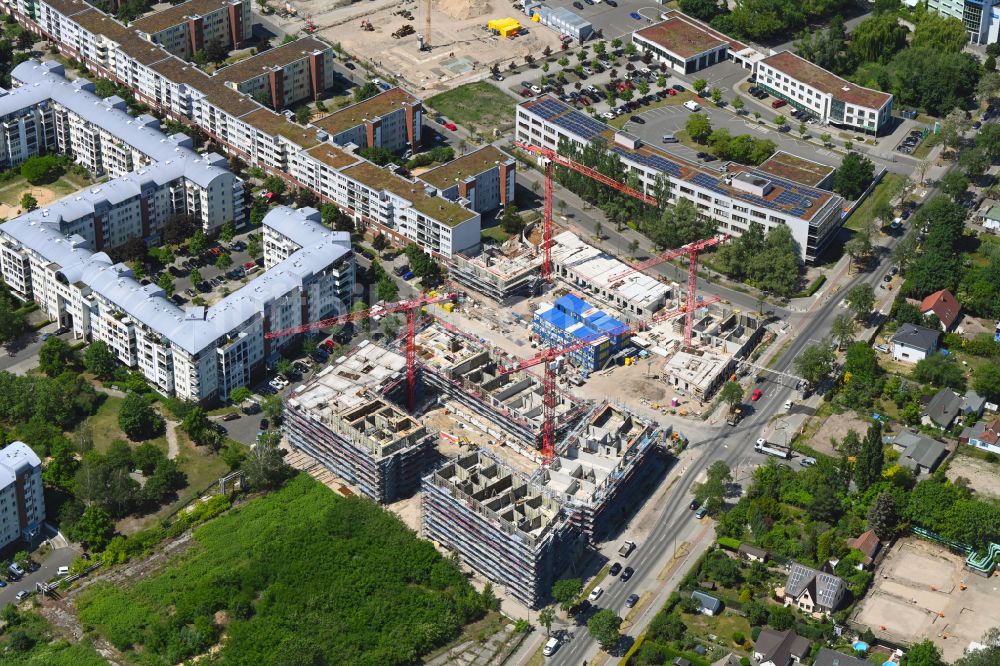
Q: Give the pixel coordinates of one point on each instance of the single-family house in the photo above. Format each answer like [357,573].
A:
[752,553]
[942,409]
[989,215]
[828,657]
[944,305]
[729,660]
[973,404]
[919,453]
[813,591]
[985,436]
[869,545]
[780,648]
[708,605]
[914,343]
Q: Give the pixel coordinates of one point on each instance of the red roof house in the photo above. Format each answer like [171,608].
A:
[943,304]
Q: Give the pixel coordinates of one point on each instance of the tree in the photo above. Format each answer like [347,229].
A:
[239,395]
[28,201]
[302,115]
[195,277]
[716,95]
[860,299]
[988,655]
[284,368]
[633,247]
[825,138]
[954,185]
[986,381]
[731,393]
[853,175]
[253,245]
[40,169]
[703,10]
[940,33]
[842,330]
[780,121]
[272,407]
[197,243]
[223,261]
[940,370]
[364,91]
[698,127]
[699,84]
[546,617]
[12,322]
[883,516]
[712,493]
[99,360]
[781,618]
[738,104]
[54,356]
[859,246]
[877,40]
[868,467]
[94,529]
[974,161]
[565,591]
[814,363]
[511,221]
[604,627]
[264,466]
[924,653]
[598,230]
[275,185]
[137,419]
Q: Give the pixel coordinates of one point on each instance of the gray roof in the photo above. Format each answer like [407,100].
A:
[826,588]
[707,601]
[45,81]
[944,407]
[193,329]
[973,402]
[780,646]
[827,657]
[303,226]
[750,549]
[728,660]
[15,459]
[919,450]
[917,337]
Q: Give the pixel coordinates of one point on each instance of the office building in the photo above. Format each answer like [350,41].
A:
[732,195]
[22,500]
[682,45]
[823,94]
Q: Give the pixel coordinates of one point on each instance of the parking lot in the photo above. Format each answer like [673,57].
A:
[615,20]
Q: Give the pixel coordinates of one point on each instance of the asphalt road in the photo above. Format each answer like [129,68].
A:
[730,444]
[60,557]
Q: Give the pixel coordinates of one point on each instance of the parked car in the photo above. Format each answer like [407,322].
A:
[694,504]
[778,103]
[755,396]
[627,573]
[637,120]
[553,643]
[578,5]
[526,93]
[498,77]
[232,416]
[451,126]
[632,600]
[701,512]
[264,423]
[595,594]
[22,595]
[636,15]
[669,138]
[615,569]
[611,3]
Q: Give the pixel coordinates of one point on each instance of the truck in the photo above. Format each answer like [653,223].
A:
[771,449]
[735,414]
[626,548]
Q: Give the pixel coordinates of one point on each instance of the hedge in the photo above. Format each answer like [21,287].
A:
[729,543]
[813,287]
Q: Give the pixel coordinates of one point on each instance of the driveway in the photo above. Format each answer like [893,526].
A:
[60,557]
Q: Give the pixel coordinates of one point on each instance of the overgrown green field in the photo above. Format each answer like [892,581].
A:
[28,640]
[301,576]
[477,106]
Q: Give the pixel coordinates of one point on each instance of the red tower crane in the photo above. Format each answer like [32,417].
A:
[554,158]
[691,250]
[410,307]
[550,354]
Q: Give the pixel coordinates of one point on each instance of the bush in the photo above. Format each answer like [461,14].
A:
[729,543]
[813,287]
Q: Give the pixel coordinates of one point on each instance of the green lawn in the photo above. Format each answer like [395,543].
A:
[884,192]
[202,468]
[723,626]
[104,425]
[925,146]
[11,191]
[477,106]
[495,233]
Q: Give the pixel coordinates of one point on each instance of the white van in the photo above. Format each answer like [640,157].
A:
[550,647]
[692,105]
[62,571]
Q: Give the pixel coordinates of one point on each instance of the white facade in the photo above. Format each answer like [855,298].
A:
[199,352]
[733,198]
[22,500]
[832,99]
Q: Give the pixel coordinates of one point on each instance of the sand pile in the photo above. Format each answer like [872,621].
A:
[462,10]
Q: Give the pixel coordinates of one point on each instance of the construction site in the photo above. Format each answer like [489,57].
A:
[457,45]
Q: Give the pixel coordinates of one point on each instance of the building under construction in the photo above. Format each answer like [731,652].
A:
[502,524]
[341,419]
[507,406]
[601,469]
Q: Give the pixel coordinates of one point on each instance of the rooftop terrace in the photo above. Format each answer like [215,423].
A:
[177,14]
[378,178]
[373,107]
[262,63]
[470,164]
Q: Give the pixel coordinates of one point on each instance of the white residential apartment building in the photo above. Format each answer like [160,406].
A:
[153,175]
[732,195]
[191,26]
[22,500]
[832,99]
[320,156]
[195,353]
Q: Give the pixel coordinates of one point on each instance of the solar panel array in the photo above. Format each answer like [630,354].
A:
[580,124]
[656,162]
[548,108]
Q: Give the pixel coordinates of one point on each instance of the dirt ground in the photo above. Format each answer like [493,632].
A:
[983,477]
[462,49]
[918,594]
[43,195]
[837,426]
